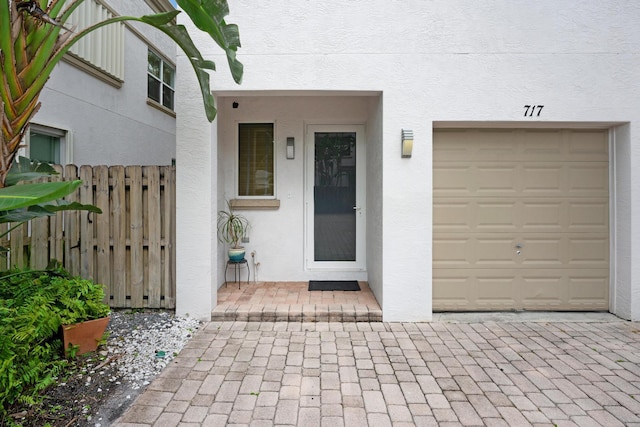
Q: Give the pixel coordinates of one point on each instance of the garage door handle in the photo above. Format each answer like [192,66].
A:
[518,247]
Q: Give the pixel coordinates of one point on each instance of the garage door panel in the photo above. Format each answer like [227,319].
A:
[494,252]
[495,216]
[452,290]
[513,289]
[452,215]
[541,145]
[497,291]
[491,145]
[525,180]
[589,180]
[543,251]
[543,215]
[487,250]
[543,179]
[588,292]
[476,289]
[544,193]
[452,180]
[588,145]
[589,252]
[543,291]
[537,250]
[588,215]
[452,252]
[494,179]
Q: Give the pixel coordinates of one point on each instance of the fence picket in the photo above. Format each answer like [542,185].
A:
[118,237]
[72,228]
[86,224]
[168,235]
[136,237]
[103,231]
[129,248]
[56,238]
[153,223]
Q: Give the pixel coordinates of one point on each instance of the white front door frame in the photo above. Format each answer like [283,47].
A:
[309,179]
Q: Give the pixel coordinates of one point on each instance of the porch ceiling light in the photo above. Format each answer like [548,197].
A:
[407,142]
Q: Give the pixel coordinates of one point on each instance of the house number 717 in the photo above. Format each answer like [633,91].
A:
[530,110]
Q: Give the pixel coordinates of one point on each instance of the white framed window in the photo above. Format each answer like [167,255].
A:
[49,144]
[256,160]
[160,80]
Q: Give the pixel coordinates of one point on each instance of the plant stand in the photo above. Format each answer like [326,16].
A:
[236,274]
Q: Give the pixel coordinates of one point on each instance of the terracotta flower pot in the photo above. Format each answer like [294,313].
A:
[85,335]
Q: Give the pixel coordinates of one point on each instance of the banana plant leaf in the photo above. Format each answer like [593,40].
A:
[24,195]
[39,211]
[24,169]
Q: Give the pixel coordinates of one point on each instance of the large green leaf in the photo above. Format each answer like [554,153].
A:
[23,195]
[38,211]
[24,169]
[208,16]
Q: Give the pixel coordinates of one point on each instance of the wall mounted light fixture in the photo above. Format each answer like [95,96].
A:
[407,142]
[291,148]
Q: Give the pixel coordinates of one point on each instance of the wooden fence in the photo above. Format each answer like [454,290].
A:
[129,248]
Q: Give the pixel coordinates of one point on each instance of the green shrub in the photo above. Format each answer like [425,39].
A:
[33,306]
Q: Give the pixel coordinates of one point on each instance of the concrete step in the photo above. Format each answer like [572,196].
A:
[297,313]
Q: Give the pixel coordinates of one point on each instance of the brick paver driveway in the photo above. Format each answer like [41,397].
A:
[400,374]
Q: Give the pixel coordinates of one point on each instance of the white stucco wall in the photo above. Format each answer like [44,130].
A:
[444,63]
[112,125]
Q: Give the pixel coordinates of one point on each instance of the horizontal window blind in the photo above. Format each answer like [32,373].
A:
[255,159]
[103,48]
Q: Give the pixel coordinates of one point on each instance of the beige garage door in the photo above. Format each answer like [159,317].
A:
[521,220]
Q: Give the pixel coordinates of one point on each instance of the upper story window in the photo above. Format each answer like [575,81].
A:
[255,160]
[160,80]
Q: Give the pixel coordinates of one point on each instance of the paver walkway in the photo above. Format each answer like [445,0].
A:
[400,374]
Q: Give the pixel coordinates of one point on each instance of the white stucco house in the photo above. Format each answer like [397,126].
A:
[107,102]
[521,190]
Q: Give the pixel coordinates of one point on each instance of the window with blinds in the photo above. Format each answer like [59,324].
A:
[255,160]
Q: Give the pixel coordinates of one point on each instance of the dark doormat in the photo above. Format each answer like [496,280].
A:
[334,285]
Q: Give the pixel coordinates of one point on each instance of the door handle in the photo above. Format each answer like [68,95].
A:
[356,208]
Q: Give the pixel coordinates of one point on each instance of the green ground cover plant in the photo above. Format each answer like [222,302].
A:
[33,306]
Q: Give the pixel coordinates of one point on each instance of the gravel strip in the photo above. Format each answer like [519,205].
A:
[146,342]
[95,389]
[139,346]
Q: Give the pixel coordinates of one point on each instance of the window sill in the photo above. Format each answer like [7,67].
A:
[255,204]
[92,70]
[161,107]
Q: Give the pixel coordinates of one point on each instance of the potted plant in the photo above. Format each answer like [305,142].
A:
[86,319]
[232,227]
[70,304]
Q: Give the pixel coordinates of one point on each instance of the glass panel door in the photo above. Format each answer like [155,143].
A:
[335,197]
